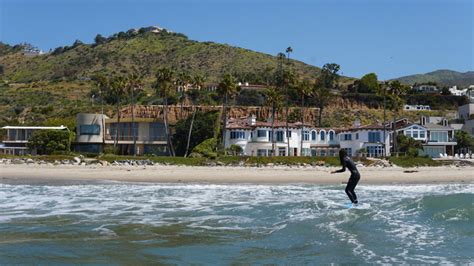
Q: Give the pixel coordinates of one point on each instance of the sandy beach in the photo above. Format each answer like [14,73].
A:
[71,174]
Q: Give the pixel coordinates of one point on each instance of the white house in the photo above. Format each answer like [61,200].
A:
[408,107]
[369,140]
[426,88]
[255,139]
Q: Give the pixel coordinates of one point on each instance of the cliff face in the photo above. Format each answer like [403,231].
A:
[175,112]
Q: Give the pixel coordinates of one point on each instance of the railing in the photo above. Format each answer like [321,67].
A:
[138,138]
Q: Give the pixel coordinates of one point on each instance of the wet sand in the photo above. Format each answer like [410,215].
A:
[70,174]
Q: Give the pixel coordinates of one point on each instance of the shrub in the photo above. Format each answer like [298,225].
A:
[51,141]
[207,148]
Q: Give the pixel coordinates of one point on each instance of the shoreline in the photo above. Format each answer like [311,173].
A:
[75,174]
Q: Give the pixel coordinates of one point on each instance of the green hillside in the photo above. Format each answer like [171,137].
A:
[146,51]
[441,77]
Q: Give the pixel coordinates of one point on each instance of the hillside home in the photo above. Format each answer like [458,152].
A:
[426,89]
[16,140]
[408,107]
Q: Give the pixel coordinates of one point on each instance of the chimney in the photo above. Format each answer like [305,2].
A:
[445,122]
[422,120]
[357,122]
[252,120]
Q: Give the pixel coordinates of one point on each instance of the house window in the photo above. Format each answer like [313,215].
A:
[331,136]
[281,151]
[89,129]
[374,136]
[261,133]
[279,136]
[374,151]
[306,152]
[348,150]
[357,135]
[313,135]
[347,136]
[305,135]
[422,134]
[322,135]
[237,135]
[439,136]
[289,133]
[261,152]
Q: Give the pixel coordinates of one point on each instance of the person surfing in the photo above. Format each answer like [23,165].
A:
[346,162]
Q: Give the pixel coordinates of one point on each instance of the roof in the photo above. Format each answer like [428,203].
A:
[244,124]
[34,127]
[364,127]
[432,126]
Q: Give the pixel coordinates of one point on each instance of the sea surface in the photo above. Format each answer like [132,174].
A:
[129,223]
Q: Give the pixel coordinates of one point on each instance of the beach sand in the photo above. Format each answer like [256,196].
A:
[71,174]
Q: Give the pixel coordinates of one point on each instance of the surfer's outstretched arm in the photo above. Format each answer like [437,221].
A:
[340,170]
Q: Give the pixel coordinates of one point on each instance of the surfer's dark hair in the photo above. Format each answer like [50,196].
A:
[342,154]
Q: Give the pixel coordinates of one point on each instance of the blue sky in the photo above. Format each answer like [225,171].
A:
[389,37]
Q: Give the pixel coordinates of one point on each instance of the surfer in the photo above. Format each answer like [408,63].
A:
[346,162]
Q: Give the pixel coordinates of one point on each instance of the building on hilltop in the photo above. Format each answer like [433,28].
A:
[408,107]
[426,89]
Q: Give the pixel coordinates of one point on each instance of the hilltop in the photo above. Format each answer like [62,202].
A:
[441,77]
[147,50]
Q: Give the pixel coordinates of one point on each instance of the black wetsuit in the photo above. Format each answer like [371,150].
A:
[353,180]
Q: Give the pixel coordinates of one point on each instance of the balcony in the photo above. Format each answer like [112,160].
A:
[109,137]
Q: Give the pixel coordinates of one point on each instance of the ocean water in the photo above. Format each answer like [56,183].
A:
[127,223]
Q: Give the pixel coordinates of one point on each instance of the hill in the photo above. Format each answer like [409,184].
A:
[146,51]
[442,77]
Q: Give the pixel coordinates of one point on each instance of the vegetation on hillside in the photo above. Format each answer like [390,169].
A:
[441,77]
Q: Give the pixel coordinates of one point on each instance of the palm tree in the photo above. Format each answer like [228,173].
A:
[227,88]
[287,81]
[164,88]
[134,84]
[304,89]
[117,89]
[323,86]
[198,84]
[273,99]
[103,86]
[396,91]
[182,81]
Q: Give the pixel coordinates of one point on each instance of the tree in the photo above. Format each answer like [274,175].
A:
[321,92]
[409,145]
[182,81]
[164,87]
[304,90]
[99,39]
[195,95]
[203,128]
[134,86]
[227,89]
[117,90]
[464,141]
[396,91]
[274,100]
[445,91]
[368,84]
[51,141]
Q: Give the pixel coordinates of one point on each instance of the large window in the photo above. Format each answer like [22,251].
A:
[439,136]
[261,133]
[346,136]
[279,136]
[89,130]
[374,151]
[261,152]
[322,135]
[313,135]
[156,131]
[237,135]
[374,137]
[331,135]
[305,135]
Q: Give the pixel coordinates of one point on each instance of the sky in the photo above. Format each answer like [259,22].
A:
[392,38]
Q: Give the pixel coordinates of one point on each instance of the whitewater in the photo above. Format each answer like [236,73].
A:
[130,223]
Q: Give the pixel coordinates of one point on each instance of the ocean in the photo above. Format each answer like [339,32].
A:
[130,223]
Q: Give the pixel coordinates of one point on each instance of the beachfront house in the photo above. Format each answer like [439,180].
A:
[15,142]
[255,137]
[368,140]
[437,137]
[147,133]
[89,133]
